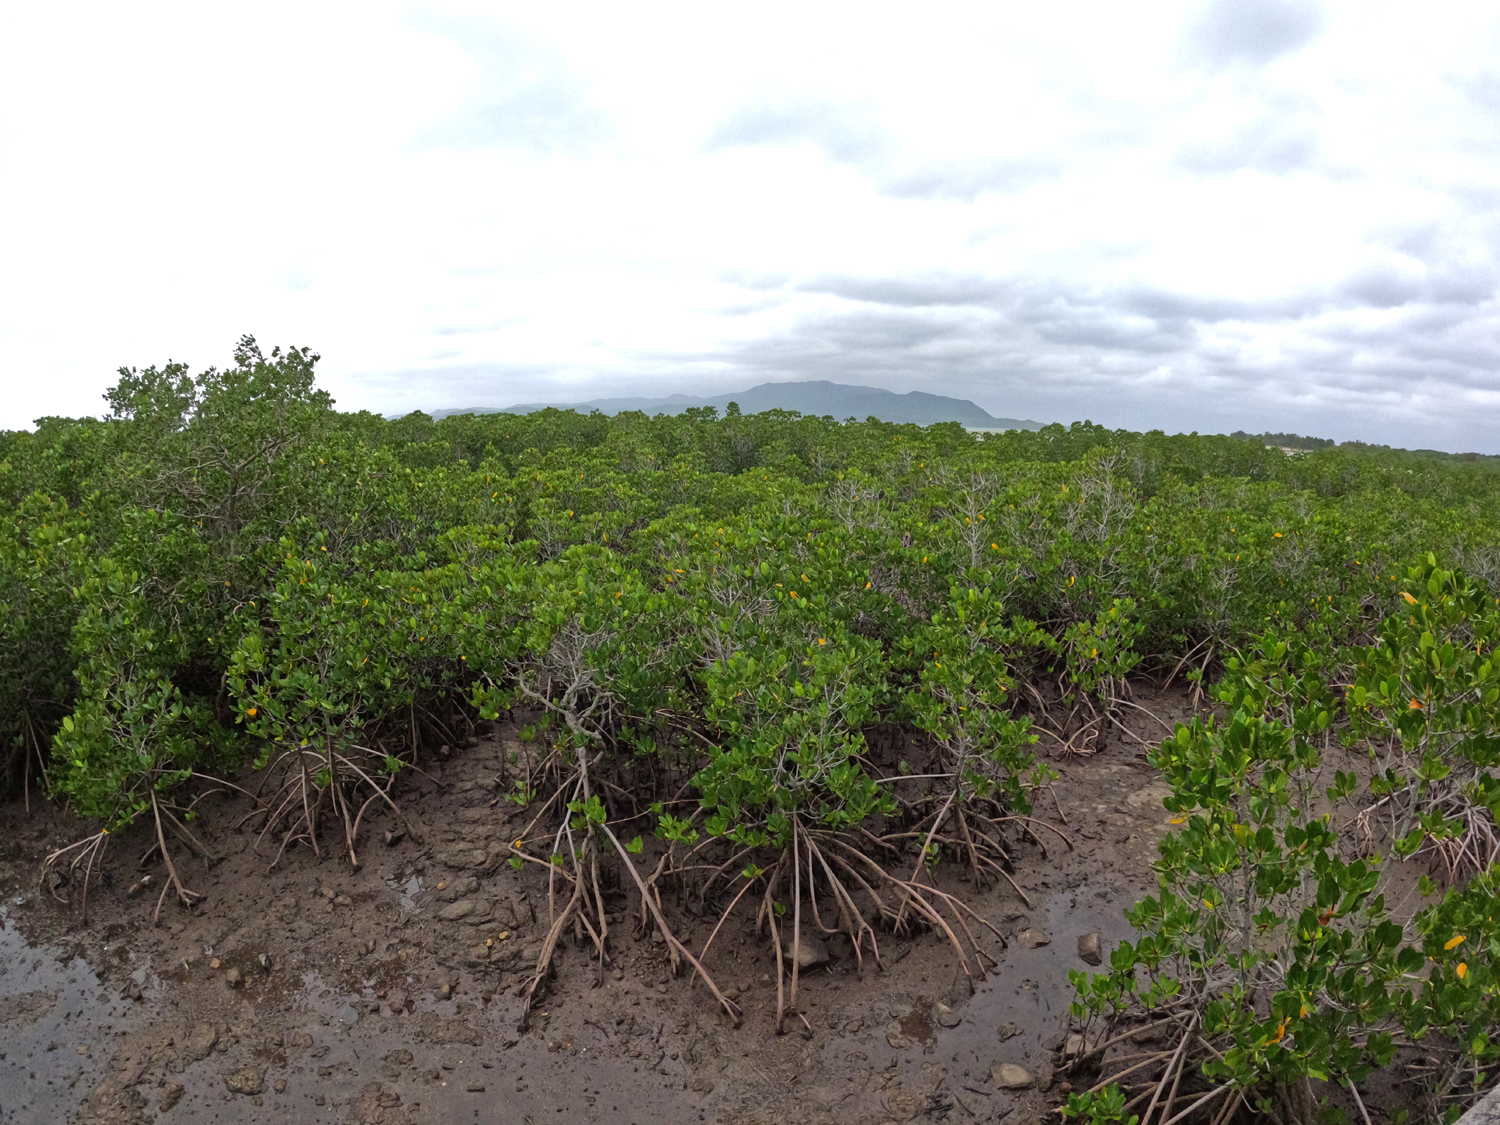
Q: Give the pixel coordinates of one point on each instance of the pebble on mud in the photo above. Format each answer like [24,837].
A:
[1030,939]
[171,1094]
[1009,1076]
[811,952]
[454,911]
[946,1016]
[1090,949]
[246,1080]
[232,978]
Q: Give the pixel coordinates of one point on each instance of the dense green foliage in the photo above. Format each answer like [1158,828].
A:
[749,629]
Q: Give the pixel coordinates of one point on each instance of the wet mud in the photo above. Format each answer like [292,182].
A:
[317,993]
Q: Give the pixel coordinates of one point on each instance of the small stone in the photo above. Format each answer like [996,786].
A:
[326,891]
[392,838]
[445,992]
[811,952]
[1009,1076]
[343,900]
[232,978]
[946,1016]
[246,1080]
[475,1087]
[1073,1047]
[1008,1031]
[198,1043]
[1090,950]
[1030,939]
[895,1035]
[171,1094]
[215,963]
[281,1085]
[454,911]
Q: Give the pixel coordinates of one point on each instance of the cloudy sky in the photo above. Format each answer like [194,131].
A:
[1210,214]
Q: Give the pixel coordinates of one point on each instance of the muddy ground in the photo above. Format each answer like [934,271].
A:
[389,994]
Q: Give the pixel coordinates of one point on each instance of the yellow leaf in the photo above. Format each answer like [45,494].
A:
[1409,599]
[1178,820]
[1456,940]
[1463,970]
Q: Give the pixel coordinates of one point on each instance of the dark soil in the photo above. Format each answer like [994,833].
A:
[314,993]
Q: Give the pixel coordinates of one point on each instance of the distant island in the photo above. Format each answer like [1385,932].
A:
[818,398]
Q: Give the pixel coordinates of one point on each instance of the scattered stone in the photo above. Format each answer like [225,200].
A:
[475,1087]
[1090,950]
[232,978]
[198,1043]
[326,891]
[394,837]
[1073,1047]
[343,900]
[280,1085]
[454,911]
[895,1035]
[246,1080]
[946,1016]
[445,992]
[811,952]
[459,888]
[1008,1031]
[171,1094]
[1030,939]
[1009,1076]
[396,1063]
[902,1105]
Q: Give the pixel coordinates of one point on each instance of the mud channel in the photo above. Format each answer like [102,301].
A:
[317,993]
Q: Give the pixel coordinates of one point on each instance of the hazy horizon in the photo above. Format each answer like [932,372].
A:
[1208,215]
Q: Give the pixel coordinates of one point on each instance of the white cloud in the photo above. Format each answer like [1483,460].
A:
[1193,215]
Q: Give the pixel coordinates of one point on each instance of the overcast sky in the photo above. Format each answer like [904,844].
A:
[1202,215]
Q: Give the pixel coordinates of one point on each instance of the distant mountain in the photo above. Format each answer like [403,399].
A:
[816,398]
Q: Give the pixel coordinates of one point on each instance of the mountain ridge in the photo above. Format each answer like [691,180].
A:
[815,397]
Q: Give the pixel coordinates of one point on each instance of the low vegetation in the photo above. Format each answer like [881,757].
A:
[799,664]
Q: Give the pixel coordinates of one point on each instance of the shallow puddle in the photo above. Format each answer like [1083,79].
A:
[58,1022]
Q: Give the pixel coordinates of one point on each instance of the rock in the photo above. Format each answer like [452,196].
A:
[1073,1047]
[1030,939]
[454,911]
[1008,1031]
[1009,1076]
[1090,950]
[396,1063]
[811,952]
[902,1105]
[198,1043]
[394,837]
[171,1094]
[246,1080]
[945,1016]
[895,1035]
[232,978]
[459,888]
[280,1085]
[343,900]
